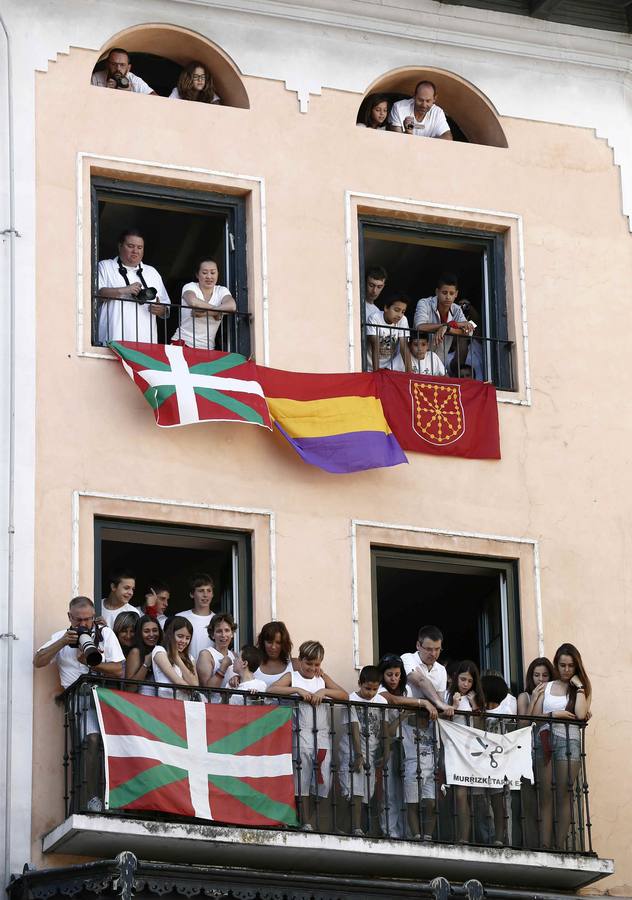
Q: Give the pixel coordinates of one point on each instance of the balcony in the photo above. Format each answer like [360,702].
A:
[373,839]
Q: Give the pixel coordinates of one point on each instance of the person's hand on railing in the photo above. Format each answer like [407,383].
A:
[318,697]
[562,714]
[430,709]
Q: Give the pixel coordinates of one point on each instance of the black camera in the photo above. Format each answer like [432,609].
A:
[122,83]
[88,646]
[147,295]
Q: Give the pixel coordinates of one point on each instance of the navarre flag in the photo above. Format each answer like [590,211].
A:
[335,422]
[183,385]
[444,416]
[217,762]
[476,758]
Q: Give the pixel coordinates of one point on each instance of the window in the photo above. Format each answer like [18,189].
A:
[474,601]
[415,254]
[172,554]
[180,227]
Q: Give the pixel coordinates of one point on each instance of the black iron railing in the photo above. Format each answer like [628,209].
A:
[458,356]
[377,770]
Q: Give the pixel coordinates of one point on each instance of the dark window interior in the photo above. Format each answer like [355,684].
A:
[173,555]
[466,599]
[457,133]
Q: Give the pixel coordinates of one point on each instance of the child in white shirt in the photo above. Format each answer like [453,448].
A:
[387,345]
[422,360]
[244,665]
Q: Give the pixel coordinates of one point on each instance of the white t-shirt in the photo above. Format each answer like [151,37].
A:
[429,365]
[200,640]
[162,678]
[433,124]
[199,332]
[110,614]
[388,338]
[253,685]
[175,95]
[437,675]
[427,313]
[124,320]
[370,309]
[372,721]
[69,666]
[270,679]
[99,79]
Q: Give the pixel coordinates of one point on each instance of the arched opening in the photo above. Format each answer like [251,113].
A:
[471,116]
[159,52]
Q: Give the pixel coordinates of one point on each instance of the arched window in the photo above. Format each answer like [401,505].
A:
[471,116]
[158,54]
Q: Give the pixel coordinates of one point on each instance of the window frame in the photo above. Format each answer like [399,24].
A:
[231,205]
[243,577]
[457,563]
[491,242]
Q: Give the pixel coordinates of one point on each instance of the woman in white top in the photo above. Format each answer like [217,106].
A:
[124,626]
[138,666]
[204,302]
[540,672]
[195,83]
[215,664]
[567,699]
[275,645]
[171,663]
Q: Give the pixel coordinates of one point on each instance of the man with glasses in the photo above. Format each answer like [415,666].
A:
[118,74]
[427,678]
[63,649]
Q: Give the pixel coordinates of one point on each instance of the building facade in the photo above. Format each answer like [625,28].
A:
[531,207]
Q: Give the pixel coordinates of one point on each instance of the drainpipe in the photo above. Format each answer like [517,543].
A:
[9,636]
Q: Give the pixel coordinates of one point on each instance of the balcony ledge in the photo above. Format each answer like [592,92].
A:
[102,835]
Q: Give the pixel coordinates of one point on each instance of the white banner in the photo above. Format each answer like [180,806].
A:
[476,758]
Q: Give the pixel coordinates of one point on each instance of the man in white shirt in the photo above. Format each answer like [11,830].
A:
[122,587]
[62,649]
[420,115]
[123,281]
[427,678]
[442,317]
[202,589]
[118,74]
[374,285]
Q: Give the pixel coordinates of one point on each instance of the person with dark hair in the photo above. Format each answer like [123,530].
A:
[132,294]
[420,115]
[124,627]
[375,113]
[201,591]
[422,360]
[539,673]
[157,601]
[387,336]
[245,664]
[139,661]
[275,646]
[375,279]
[172,662]
[204,303]
[215,663]
[442,317]
[466,693]
[122,586]
[564,700]
[195,83]
[427,678]
[118,74]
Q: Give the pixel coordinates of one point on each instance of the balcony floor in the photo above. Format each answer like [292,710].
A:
[106,835]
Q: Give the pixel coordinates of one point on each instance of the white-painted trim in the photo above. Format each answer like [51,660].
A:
[158,501]
[441,532]
[258,180]
[473,211]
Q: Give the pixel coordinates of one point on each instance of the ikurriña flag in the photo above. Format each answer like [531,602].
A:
[440,415]
[217,762]
[183,385]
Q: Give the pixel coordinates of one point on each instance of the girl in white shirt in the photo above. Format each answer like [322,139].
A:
[204,302]
[465,695]
[171,662]
[139,662]
[540,672]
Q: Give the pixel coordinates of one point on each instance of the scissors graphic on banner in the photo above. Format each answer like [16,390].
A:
[496,749]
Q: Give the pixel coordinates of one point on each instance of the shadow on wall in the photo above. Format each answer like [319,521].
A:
[158,54]
[471,116]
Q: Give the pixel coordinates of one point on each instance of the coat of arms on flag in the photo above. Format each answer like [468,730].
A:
[183,385]
[438,415]
[217,762]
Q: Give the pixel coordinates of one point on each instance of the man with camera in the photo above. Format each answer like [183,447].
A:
[78,650]
[135,294]
[118,74]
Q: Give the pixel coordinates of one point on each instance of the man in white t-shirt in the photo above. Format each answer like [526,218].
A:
[201,589]
[420,115]
[122,587]
[62,649]
[427,678]
[118,74]
[442,317]
[126,315]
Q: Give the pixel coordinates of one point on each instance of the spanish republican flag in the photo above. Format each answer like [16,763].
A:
[335,422]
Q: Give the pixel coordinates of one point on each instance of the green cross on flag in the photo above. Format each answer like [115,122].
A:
[209,761]
[183,385]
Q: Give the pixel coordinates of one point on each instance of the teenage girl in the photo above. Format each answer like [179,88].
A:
[465,695]
[540,671]
[138,665]
[171,662]
[564,700]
